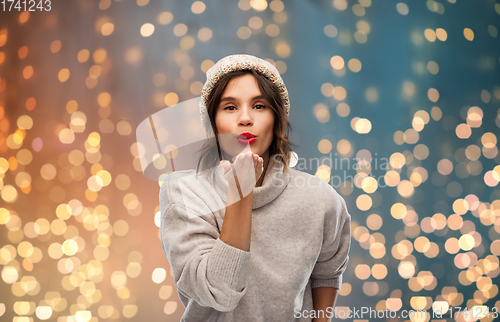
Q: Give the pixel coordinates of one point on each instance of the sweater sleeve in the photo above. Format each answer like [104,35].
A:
[334,256]
[205,269]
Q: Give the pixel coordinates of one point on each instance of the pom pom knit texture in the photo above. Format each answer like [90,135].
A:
[233,63]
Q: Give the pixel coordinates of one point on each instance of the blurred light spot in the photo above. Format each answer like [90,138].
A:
[25,122]
[344,147]
[363,126]
[402,8]
[187,42]
[107,29]
[43,312]
[83,316]
[398,210]
[63,75]
[24,16]
[468,34]
[129,310]
[394,304]
[165,291]
[330,31]
[133,55]
[206,65]
[28,72]
[282,49]
[171,99]
[255,22]
[165,18]
[430,35]
[55,46]
[405,188]
[489,140]
[369,184]
[100,55]
[205,34]
[9,194]
[159,275]
[358,10]
[433,94]
[433,67]
[104,4]
[170,307]
[371,94]
[147,29]
[406,269]
[339,93]
[337,62]
[321,112]
[340,4]
[69,247]
[466,242]
[198,7]
[327,89]
[157,219]
[343,110]
[258,5]
[493,31]
[354,65]
[364,202]
[9,274]
[83,55]
[441,34]
[362,271]
[374,222]
[180,29]
[272,30]
[120,227]
[66,136]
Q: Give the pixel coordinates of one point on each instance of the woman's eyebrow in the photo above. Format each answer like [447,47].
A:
[229,98]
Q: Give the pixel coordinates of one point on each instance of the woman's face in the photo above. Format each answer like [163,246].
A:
[244,110]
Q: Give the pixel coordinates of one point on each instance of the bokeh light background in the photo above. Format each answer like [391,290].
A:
[412,85]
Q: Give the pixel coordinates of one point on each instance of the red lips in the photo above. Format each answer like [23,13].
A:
[246,135]
[246,138]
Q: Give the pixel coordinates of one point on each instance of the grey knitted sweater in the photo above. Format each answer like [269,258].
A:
[300,240]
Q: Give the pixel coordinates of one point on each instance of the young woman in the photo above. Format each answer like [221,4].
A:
[248,238]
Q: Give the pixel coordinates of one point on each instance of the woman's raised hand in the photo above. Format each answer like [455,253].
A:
[243,173]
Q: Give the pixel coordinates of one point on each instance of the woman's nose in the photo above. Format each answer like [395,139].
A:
[245,116]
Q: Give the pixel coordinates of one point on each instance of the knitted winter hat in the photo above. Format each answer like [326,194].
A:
[240,62]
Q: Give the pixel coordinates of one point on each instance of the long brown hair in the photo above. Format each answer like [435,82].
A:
[280,146]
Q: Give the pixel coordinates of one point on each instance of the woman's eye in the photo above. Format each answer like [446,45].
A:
[260,106]
[229,107]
